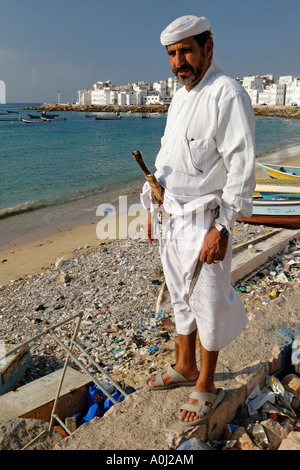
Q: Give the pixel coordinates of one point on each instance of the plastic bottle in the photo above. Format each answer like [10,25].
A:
[93,411]
[94,396]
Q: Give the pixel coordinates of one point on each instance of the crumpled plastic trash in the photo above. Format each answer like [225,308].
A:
[283,397]
[273,409]
[258,435]
[257,398]
[194,444]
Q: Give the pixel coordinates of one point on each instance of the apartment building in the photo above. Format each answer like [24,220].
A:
[292,84]
[277,94]
[84,97]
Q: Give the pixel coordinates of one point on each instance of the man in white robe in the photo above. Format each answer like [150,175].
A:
[206,167]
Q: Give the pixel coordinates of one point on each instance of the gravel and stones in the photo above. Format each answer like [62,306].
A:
[116,286]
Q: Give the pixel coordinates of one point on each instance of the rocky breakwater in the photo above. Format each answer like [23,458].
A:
[102,108]
[277,111]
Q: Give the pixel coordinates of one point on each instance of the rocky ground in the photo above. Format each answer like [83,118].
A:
[117,286]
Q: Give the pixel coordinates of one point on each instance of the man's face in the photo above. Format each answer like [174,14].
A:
[189,61]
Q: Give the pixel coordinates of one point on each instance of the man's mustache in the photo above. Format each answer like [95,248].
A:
[183,68]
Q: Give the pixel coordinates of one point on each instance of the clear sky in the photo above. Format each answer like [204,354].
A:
[68,45]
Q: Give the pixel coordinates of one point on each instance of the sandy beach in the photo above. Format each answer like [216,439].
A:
[30,258]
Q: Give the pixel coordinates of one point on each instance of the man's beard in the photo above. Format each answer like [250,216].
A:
[196,73]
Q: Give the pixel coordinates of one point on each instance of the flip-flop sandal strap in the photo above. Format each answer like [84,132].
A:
[204,397]
[201,408]
[159,380]
[192,408]
[176,376]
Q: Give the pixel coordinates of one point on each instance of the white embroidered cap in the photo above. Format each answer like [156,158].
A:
[184,27]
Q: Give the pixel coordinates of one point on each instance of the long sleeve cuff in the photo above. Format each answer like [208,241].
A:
[227,216]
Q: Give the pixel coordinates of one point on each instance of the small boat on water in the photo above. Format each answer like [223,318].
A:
[33,116]
[107,118]
[281,172]
[12,366]
[33,121]
[49,116]
[53,120]
[283,213]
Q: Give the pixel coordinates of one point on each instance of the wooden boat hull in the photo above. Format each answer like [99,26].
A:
[277,192]
[280,221]
[281,172]
[107,118]
[27,121]
[49,116]
[13,366]
[284,213]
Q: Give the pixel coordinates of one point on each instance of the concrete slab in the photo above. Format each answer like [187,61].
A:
[36,399]
[244,262]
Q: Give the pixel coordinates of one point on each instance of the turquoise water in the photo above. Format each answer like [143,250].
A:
[60,167]
[51,163]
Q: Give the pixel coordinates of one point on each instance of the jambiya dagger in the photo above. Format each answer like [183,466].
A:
[157,190]
[158,194]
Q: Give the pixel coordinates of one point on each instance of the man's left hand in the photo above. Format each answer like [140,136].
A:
[214,247]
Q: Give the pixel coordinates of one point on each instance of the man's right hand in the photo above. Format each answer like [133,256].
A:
[148,232]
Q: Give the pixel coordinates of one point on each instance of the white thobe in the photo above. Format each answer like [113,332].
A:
[206,163]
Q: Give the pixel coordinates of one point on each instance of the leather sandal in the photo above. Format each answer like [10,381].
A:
[207,403]
[178,380]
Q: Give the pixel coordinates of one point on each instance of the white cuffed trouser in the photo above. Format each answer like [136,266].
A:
[214,307]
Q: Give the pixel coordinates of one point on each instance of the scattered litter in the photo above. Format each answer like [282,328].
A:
[270,280]
[257,398]
[266,418]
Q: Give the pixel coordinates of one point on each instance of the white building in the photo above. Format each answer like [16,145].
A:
[263,96]
[84,97]
[253,82]
[2,92]
[160,87]
[292,95]
[173,85]
[141,90]
[277,94]
[101,96]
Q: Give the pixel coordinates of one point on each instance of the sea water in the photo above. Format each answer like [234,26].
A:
[56,171]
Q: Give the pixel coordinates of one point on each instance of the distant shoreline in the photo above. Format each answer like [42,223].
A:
[155,108]
[292,112]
